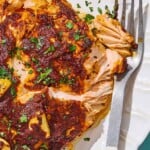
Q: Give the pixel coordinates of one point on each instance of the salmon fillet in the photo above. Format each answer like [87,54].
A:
[56,72]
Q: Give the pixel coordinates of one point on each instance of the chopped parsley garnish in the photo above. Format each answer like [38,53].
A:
[34,60]
[25,147]
[87,3]
[72,48]
[34,40]
[60,34]
[107,9]
[86,139]
[69,25]
[66,80]
[110,13]
[77,36]
[44,75]
[44,146]
[50,49]
[27,64]
[48,81]
[30,137]
[13,91]
[99,1]
[4,73]
[9,125]
[12,70]
[30,72]
[3,41]
[37,41]
[23,118]
[99,10]
[85,55]
[39,69]
[78,5]
[16,51]
[18,55]
[91,9]
[88,18]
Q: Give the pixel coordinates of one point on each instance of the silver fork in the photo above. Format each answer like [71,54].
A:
[121,81]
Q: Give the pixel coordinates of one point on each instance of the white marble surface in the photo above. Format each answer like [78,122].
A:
[136,115]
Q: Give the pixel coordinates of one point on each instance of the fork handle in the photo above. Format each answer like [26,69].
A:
[116,114]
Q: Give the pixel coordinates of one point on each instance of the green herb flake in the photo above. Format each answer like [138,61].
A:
[39,69]
[78,5]
[99,10]
[48,81]
[91,9]
[86,139]
[50,49]
[37,41]
[3,41]
[65,80]
[30,71]
[88,18]
[34,40]
[107,9]
[113,15]
[30,137]
[13,91]
[44,146]
[27,64]
[34,60]
[72,48]
[25,147]
[12,70]
[85,55]
[87,3]
[9,125]
[19,55]
[4,73]
[71,81]
[99,1]
[77,36]
[109,13]
[44,75]
[69,25]
[23,118]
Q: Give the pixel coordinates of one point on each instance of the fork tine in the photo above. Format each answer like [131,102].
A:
[140,33]
[123,18]
[141,28]
[116,5]
[131,28]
